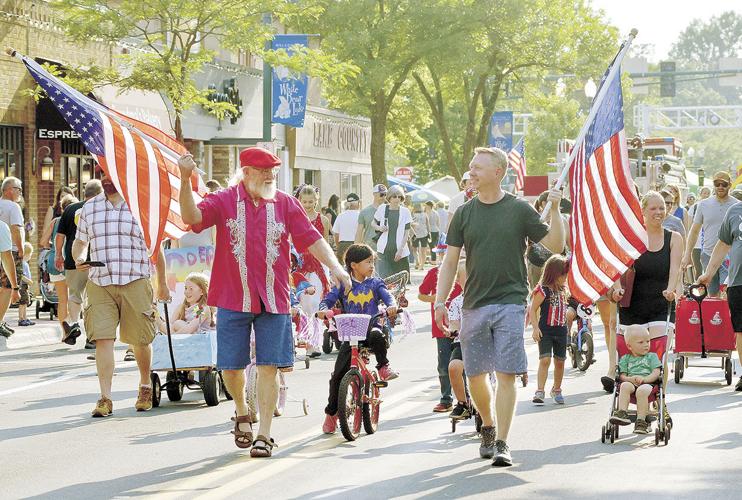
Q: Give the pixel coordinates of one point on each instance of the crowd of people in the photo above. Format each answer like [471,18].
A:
[276,253]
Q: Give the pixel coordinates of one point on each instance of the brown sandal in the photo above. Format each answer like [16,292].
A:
[264,450]
[243,439]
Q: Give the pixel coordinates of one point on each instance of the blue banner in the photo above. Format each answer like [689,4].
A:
[289,88]
[501,131]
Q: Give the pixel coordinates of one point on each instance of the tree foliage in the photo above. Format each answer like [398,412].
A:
[385,40]
[167,40]
[507,45]
[702,43]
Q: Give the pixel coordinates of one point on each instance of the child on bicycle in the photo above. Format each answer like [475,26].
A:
[366,294]
[456,362]
[549,319]
[638,370]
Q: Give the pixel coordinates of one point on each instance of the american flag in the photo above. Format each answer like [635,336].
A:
[517,161]
[141,160]
[608,231]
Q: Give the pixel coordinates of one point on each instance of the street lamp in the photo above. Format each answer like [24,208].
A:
[591,90]
[47,165]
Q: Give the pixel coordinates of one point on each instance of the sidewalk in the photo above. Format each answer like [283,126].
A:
[44,332]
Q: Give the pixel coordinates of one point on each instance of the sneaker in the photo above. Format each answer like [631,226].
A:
[386,373]
[442,408]
[5,330]
[487,448]
[608,384]
[502,456]
[642,426]
[91,356]
[330,424]
[26,322]
[620,417]
[738,387]
[103,408]
[315,354]
[144,398]
[71,332]
[461,412]
[89,344]
[538,398]
[557,395]
[129,355]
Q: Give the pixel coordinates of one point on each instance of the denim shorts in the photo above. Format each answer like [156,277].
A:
[492,339]
[553,345]
[718,278]
[274,341]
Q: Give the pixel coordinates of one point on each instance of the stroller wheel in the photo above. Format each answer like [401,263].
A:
[657,437]
[305,406]
[602,434]
[613,433]
[306,362]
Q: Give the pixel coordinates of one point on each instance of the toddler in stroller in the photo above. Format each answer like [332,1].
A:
[639,375]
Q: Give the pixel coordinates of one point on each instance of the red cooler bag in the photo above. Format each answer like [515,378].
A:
[687,326]
[717,325]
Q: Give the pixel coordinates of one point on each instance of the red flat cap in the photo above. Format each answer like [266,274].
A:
[258,158]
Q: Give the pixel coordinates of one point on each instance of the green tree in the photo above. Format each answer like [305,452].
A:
[167,40]
[703,43]
[507,45]
[385,40]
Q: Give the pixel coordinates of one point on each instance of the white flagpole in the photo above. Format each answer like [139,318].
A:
[593,111]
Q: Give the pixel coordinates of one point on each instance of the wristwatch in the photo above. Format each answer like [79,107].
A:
[16,288]
[439,304]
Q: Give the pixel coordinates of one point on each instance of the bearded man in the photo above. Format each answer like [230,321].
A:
[250,280]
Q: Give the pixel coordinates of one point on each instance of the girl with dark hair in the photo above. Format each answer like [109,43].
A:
[365,296]
[549,319]
[332,209]
[52,213]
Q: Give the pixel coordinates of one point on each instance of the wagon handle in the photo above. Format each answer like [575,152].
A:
[169,338]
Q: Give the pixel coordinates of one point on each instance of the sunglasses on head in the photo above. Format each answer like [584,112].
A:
[721,184]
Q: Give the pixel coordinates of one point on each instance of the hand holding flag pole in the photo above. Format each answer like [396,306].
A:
[615,67]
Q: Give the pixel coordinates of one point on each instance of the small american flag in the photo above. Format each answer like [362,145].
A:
[141,160]
[608,231]
[517,161]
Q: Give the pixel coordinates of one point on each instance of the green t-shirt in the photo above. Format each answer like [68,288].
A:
[640,366]
[494,236]
[365,218]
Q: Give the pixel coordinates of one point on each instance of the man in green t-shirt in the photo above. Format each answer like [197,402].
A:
[494,228]
[366,231]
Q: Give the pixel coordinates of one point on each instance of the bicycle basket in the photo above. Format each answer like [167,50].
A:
[352,326]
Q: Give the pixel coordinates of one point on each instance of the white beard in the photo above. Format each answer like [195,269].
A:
[263,190]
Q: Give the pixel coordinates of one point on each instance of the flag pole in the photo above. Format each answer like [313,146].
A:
[14,53]
[615,67]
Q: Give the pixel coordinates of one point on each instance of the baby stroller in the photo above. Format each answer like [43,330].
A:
[49,299]
[656,397]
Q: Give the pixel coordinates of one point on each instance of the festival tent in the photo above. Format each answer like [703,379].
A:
[446,185]
[407,186]
[423,195]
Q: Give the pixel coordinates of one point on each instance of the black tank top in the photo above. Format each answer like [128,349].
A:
[652,272]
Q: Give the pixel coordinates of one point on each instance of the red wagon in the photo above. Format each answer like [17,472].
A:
[703,329]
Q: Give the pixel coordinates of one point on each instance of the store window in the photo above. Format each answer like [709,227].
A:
[11,152]
[77,166]
[311,177]
[350,183]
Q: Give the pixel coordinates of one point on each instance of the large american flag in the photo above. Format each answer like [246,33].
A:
[608,231]
[140,159]
[517,161]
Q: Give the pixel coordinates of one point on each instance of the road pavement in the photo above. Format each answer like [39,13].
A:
[52,448]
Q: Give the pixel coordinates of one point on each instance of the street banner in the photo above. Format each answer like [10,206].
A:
[289,88]
[501,130]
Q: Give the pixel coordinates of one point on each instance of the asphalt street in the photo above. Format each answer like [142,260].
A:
[52,448]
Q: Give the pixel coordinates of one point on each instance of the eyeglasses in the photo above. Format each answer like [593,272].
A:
[394,196]
[381,194]
[721,184]
[18,188]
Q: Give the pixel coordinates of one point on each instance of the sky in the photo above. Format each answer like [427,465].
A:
[660,21]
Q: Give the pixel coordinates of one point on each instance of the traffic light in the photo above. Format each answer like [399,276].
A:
[667,82]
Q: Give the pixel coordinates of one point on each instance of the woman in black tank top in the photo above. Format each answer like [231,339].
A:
[657,271]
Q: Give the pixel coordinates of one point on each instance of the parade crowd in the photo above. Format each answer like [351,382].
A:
[492,262]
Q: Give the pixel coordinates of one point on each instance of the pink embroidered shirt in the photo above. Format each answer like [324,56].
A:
[251,261]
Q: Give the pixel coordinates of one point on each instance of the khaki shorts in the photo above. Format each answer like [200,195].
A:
[76,281]
[130,306]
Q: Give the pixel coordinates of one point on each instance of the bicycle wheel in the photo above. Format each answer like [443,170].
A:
[585,351]
[371,410]
[350,402]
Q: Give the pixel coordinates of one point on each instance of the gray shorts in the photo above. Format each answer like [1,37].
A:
[492,339]
[76,281]
[718,278]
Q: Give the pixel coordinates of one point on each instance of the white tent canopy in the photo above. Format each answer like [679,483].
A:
[446,185]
